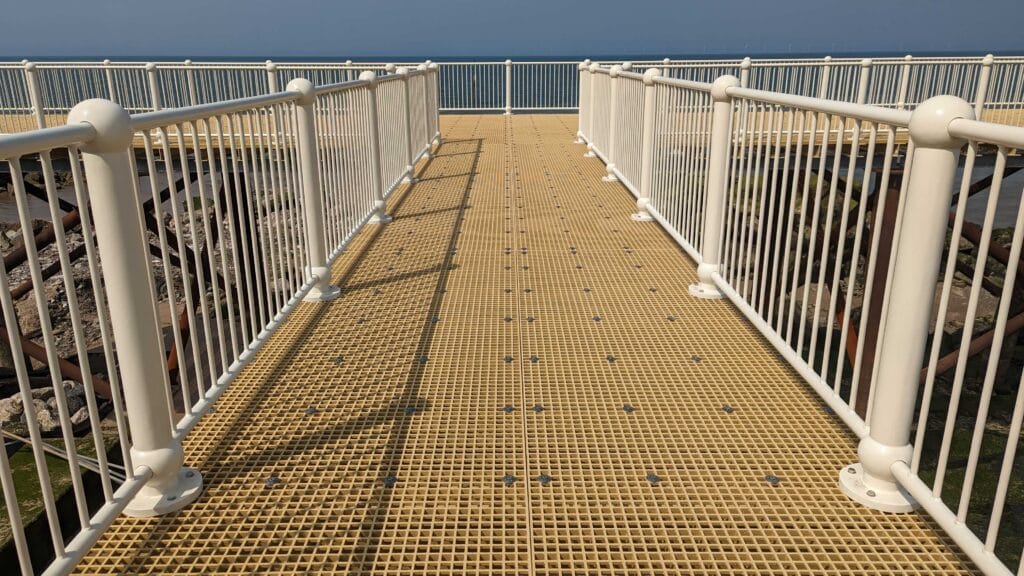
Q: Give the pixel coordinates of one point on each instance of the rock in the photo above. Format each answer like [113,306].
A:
[44,402]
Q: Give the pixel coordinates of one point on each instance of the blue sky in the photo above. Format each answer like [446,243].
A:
[436,28]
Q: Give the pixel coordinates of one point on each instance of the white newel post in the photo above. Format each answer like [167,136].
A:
[508,87]
[904,331]
[717,188]
[864,81]
[981,91]
[826,73]
[647,145]
[109,73]
[745,72]
[410,177]
[613,116]
[313,213]
[590,111]
[273,86]
[154,87]
[380,215]
[190,79]
[435,88]
[421,69]
[129,283]
[581,105]
[901,96]
[35,93]
[665,67]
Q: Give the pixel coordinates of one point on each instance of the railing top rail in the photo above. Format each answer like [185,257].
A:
[342,86]
[877,114]
[22,143]
[688,84]
[999,134]
[151,120]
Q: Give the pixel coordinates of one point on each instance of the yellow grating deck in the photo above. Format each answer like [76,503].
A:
[511,246]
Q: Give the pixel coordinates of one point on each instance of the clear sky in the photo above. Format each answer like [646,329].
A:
[438,28]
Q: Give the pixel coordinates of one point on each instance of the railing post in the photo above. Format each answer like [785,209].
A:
[508,87]
[129,283]
[904,331]
[864,81]
[647,146]
[613,116]
[664,67]
[109,73]
[826,73]
[348,70]
[410,177]
[590,114]
[901,96]
[981,92]
[35,94]
[422,68]
[190,78]
[313,213]
[745,72]
[717,188]
[154,87]
[273,83]
[435,87]
[583,74]
[380,215]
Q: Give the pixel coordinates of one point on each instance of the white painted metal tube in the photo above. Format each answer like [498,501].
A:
[380,215]
[875,114]
[508,87]
[404,73]
[959,532]
[129,283]
[647,145]
[313,204]
[904,328]
[717,188]
[101,520]
[1001,134]
[154,87]
[22,143]
[153,120]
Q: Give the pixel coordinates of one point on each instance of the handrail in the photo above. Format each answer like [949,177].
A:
[152,120]
[896,118]
[14,145]
[1000,134]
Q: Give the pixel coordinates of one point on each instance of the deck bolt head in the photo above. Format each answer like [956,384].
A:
[596,318]
[586,289]
[653,478]
[361,321]
[611,358]
[544,479]
[670,318]
[311,411]
[390,481]
[537,408]
[508,318]
[190,474]
[772,480]
[851,470]
[410,410]
[527,290]
[508,409]
[530,318]
[696,358]
[871,493]
[628,408]
[424,359]
[508,479]
[376,291]
[507,359]
[339,360]
[508,290]
[272,481]
[728,409]
[534,358]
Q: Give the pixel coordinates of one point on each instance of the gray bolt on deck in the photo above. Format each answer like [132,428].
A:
[674,484]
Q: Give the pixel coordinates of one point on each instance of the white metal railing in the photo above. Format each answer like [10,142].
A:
[218,218]
[499,85]
[825,223]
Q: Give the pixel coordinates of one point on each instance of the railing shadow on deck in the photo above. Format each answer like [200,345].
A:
[373,509]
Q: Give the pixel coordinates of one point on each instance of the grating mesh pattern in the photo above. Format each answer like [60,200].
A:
[516,382]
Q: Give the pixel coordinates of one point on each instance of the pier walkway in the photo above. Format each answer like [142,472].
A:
[516,381]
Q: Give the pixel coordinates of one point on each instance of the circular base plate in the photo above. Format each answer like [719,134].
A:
[323,294]
[887,499]
[641,217]
[704,291]
[379,219]
[152,502]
